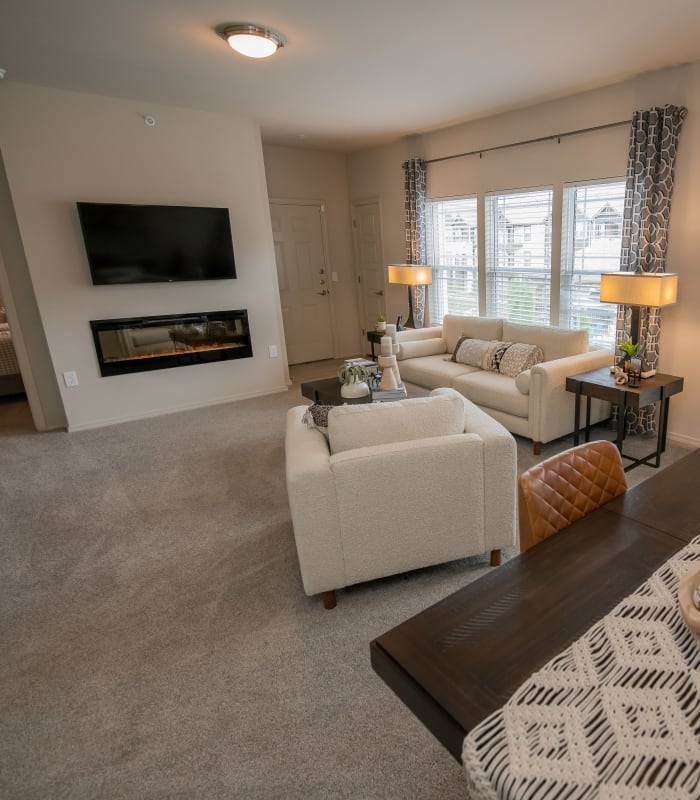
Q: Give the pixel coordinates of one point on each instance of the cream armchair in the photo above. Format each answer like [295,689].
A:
[397,486]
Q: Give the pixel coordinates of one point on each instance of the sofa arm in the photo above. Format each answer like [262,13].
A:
[421,347]
[313,506]
[500,474]
[551,410]
[417,334]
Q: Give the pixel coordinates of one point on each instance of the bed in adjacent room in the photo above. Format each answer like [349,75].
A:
[10,378]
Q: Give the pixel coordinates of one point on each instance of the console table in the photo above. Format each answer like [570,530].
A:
[463,658]
[600,383]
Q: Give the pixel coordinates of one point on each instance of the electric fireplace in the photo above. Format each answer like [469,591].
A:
[138,344]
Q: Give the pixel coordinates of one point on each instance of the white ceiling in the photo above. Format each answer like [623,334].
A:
[353,74]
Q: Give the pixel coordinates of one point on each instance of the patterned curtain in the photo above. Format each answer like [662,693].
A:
[414,187]
[652,154]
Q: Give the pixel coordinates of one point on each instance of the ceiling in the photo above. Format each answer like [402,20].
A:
[353,74]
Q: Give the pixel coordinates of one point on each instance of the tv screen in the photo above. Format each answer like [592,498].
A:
[156,244]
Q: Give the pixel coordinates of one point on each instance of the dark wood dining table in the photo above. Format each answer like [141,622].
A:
[461,659]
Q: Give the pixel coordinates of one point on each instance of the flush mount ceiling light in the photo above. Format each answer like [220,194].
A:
[251,40]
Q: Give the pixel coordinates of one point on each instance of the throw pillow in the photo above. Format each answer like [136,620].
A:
[471,351]
[316,416]
[519,357]
[494,355]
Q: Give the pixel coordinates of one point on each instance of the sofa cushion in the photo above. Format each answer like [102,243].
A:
[454,327]
[432,371]
[519,357]
[491,390]
[354,426]
[555,342]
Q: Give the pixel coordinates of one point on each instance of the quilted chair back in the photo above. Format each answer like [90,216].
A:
[566,487]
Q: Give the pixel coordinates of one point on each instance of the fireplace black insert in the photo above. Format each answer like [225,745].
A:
[139,344]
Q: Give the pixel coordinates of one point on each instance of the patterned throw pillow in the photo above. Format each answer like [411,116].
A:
[316,416]
[494,355]
[471,351]
[519,357]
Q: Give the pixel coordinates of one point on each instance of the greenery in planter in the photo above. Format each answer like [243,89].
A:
[381,318]
[352,373]
[629,348]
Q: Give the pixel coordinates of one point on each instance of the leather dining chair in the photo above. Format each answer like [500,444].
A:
[566,487]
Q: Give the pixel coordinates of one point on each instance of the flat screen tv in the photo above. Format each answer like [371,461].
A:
[156,244]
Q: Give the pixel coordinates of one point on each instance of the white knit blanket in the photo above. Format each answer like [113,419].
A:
[615,716]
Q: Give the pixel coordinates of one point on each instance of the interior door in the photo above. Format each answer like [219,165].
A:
[370,267]
[302,273]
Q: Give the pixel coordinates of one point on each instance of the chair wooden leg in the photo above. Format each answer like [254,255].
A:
[536,448]
[328,599]
[495,558]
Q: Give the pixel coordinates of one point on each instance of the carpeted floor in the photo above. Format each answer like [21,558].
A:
[155,640]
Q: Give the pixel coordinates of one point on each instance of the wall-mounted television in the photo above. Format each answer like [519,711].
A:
[156,244]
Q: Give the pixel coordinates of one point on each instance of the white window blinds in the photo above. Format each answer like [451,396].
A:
[591,241]
[452,252]
[519,255]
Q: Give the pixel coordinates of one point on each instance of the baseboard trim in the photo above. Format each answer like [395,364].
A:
[161,412]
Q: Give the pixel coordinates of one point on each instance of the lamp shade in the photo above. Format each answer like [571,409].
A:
[410,274]
[655,289]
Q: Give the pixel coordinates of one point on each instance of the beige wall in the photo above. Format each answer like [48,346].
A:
[60,147]
[303,175]
[597,155]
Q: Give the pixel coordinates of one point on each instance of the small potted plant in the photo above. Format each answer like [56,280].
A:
[380,324]
[630,350]
[354,380]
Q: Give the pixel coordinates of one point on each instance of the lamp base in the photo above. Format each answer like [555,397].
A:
[648,373]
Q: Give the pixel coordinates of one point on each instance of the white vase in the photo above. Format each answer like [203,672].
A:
[354,389]
[380,327]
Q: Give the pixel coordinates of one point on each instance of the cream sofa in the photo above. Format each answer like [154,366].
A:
[535,403]
[397,486]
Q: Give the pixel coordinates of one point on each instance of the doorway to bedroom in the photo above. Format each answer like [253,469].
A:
[15,414]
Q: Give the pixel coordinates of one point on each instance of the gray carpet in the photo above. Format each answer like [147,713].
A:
[155,638]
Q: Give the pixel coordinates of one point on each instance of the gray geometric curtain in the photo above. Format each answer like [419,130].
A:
[414,188]
[650,169]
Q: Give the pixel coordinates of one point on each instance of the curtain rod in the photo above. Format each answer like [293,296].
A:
[557,136]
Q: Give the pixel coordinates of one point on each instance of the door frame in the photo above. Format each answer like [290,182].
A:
[366,201]
[321,205]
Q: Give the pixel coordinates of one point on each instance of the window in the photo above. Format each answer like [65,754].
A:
[452,252]
[591,242]
[519,255]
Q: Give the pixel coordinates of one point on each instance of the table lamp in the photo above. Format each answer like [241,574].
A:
[637,290]
[410,275]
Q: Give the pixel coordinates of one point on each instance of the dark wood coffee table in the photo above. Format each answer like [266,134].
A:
[461,659]
[327,392]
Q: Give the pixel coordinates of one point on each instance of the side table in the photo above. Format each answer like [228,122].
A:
[600,383]
[374,337]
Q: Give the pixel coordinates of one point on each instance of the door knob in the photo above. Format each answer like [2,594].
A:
[380,293]
[325,291]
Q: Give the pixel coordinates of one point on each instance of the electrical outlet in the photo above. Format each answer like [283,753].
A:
[272,349]
[70,378]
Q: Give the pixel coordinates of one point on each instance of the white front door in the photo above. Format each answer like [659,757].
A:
[303,278]
[371,269]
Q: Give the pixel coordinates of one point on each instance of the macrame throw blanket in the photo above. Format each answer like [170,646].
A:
[615,716]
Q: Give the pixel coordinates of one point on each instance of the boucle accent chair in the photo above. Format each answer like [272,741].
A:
[566,487]
[398,486]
